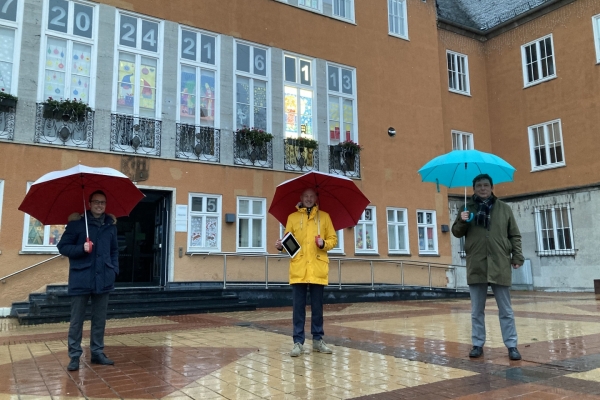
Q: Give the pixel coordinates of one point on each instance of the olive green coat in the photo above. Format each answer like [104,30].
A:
[490,253]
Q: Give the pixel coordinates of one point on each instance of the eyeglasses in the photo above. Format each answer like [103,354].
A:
[98,202]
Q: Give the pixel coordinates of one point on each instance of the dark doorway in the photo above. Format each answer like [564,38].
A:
[143,241]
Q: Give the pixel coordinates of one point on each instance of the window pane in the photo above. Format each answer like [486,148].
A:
[56,64]
[391,215]
[260,105]
[56,232]
[196,232]
[393,240]
[401,238]
[197,203]
[244,207]
[187,110]
[306,107]
[257,207]
[334,119]
[7,40]
[207,98]
[81,69]
[212,231]
[256,233]
[430,245]
[242,102]
[291,111]
[243,57]
[148,87]
[421,231]
[126,83]
[290,69]
[35,235]
[243,238]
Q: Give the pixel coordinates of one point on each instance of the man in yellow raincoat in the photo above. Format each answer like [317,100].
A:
[309,269]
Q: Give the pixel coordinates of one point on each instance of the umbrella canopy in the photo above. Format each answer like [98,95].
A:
[337,195]
[56,195]
[459,167]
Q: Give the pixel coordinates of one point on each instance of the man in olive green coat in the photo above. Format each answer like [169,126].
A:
[492,245]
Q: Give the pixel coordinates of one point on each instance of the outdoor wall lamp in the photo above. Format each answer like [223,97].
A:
[391,132]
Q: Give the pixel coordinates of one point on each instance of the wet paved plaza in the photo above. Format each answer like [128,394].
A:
[391,350]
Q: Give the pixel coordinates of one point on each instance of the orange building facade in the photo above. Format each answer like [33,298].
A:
[169,86]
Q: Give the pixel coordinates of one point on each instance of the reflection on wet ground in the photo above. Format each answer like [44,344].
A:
[392,350]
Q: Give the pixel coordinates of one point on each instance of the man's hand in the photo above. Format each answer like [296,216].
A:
[516,266]
[320,242]
[87,246]
[278,244]
[464,215]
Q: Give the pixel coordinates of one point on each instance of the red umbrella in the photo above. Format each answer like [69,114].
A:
[337,195]
[56,195]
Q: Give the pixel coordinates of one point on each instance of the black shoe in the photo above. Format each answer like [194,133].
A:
[74,364]
[513,353]
[476,352]
[102,359]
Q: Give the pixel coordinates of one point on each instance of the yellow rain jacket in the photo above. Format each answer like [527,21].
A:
[311,264]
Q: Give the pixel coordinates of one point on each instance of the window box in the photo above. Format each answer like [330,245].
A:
[7,101]
[66,110]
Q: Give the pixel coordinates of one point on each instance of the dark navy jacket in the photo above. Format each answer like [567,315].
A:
[93,272]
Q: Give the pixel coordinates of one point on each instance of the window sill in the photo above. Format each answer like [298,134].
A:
[33,252]
[398,36]
[428,255]
[530,84]
[549,166]
[399,254]
[367,254]
[468,94]
[556,253]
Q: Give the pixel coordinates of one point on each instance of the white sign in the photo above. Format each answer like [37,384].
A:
[181,213]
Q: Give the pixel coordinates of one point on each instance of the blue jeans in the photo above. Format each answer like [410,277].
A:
[299,291]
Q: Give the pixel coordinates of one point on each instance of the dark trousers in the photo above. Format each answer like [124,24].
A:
[99,307]
[299,291]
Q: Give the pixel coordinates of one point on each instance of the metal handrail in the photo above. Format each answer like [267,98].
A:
[30,267]
[372,262]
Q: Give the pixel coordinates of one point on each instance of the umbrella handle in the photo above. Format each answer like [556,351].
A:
[90,244]
[470,217]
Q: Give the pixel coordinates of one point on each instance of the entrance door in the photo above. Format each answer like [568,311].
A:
[143,241]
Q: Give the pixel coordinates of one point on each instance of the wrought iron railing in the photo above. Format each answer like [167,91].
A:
[247,152]
[130,134]
[343,161]
[7,122]
[296,157]
[54,126]
[197,142]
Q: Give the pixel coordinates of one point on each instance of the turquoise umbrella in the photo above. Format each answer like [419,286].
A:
[459,167]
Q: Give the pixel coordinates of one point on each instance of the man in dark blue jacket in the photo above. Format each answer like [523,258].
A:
[92,271]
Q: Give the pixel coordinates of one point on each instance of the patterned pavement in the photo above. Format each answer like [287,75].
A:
[392,350]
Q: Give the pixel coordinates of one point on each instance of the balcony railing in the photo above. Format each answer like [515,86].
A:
[246,152]
[129,134]
[7,122]
[344,162]
[53,126]
[197,142]
[299,158]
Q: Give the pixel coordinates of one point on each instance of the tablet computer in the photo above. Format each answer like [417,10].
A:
[290,244]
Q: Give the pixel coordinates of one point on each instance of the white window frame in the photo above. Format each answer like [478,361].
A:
[536,43]
[596,29]
[198,65]
[138,54]
[426,225]
[218,214]
[18,28]
[393,18]
[318,9]
[459,137]
[341,96]
[339,247]
[397,226]
[251,217]
[298,87]
[364,223]
[554,210]
[252,77]
[70,39]
[532,148]
[348,4]
[461,69]
[44,248]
